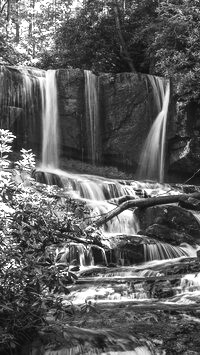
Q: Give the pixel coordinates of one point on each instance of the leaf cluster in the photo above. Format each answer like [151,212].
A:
[35,222]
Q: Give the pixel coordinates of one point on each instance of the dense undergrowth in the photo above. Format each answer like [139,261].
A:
[35,221]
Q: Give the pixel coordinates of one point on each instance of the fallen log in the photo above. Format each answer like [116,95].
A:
[144,203]
[121,199]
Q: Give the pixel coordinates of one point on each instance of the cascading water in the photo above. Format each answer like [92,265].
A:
[152,159]
[50,121]
[92,114]
[20,102]
[160,251]
[95,190]
[122,282]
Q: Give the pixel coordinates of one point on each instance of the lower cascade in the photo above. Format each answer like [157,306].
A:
[128,270]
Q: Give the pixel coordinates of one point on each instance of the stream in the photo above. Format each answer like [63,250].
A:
[113,282]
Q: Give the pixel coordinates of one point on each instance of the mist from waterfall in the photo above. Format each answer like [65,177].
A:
[92,114]
[152,158]
[50,121]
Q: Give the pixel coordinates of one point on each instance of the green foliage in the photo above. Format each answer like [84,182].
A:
[27,163]
[162,38]
[34,223]
[6,140]
[29,26]
[90,39]
[8,54]
[176,47]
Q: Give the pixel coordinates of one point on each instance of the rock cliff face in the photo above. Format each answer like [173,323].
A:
[71,105]
[184,145]
[20,105]
[127,110]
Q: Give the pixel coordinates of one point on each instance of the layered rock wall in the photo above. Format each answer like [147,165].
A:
[184,145]
[127,110]
[20,105]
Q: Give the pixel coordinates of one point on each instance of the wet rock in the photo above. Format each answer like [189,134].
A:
[20,106]
[125,249]
[184,151]
[47,178]
[188,189]
[198,255]
[71,103]
[168,223]
[187,158]
[167,235]
[190,203]
[128,111]
[162,289]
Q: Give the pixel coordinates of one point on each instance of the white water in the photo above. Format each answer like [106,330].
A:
[50,121]
[94,190]
[152,159]
[79,350]
[92,114]
[19,98]
[82,255]
[160,251]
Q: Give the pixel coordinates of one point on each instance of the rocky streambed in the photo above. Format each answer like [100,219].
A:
[137,286]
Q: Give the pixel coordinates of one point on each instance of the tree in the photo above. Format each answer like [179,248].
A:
[32,24]
[176,47]
[105,36]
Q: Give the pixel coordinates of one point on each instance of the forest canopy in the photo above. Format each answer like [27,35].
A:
[148,36]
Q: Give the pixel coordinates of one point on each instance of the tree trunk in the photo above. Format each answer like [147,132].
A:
[8,18]
[144,203]
[17,27]
[2,6]
[31,27]
[123,48]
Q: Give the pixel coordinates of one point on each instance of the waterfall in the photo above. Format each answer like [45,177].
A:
[151,165]
[92,114]
[96,192]
[20,102]
[50,121]
[27,95]
[162,251]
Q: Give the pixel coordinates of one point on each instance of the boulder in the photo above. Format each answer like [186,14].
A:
[124,249]
[47,178]
[167,235]
[168,223]
[184,145]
